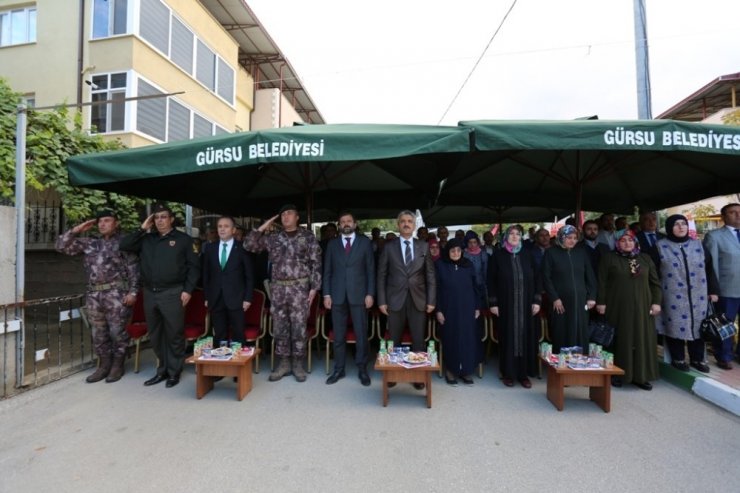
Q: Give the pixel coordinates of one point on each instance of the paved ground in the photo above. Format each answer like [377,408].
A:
[291,437]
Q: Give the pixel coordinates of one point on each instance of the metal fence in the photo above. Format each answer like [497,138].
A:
[44,222]
[42,341]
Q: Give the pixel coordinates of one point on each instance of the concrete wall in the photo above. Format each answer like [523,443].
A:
[49,274]
[7,255]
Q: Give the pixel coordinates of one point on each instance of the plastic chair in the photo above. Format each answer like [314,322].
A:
[137,328]
[255,323]
[351,337]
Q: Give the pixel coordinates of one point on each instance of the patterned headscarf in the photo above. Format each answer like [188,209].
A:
[631,256]
[563,232]
[431,242]
[508,246]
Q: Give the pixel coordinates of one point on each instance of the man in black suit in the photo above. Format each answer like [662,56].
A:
[649,236]
[407,288]
[228,282]
[349,287]
[590,243]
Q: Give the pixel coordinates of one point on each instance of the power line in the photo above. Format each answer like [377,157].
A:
[501,24]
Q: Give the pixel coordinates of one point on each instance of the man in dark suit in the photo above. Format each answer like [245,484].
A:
[349,287]
[228,282]
[723,248]
[648,236]
[407,289]
[594,249]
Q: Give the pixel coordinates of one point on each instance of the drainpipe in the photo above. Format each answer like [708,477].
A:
[80,48]
[280,99]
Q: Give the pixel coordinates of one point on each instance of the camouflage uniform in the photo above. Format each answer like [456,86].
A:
[296,269]
[111,274]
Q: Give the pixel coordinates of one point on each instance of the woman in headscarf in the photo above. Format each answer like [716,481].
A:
[570,284]
[687,281]
[434,249]
[514,296]
[457,311]
[630,295]
[479,258]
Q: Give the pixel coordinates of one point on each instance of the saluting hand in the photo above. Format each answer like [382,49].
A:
[263,227]
[148,222]
[86,226]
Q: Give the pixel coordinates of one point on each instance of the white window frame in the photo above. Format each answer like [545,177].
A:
[130,9]
[26,28]
[127,108]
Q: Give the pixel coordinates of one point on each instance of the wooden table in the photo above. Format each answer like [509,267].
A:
[598,380]
[397,373]
[207,370]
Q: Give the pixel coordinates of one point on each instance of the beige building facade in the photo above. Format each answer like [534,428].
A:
[148,71]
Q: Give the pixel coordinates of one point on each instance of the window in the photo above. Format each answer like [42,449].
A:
[109,17]
[154,24]
[108,117]
[151,113]
[201,127]
[225,81]
[181,46]
[18,26]
[178,127]
[205,70]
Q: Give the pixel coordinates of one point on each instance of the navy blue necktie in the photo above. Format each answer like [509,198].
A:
[651,238]
[407,252]
[737,233]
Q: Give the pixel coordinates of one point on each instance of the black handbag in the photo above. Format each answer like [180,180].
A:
[600,332]
[716,328]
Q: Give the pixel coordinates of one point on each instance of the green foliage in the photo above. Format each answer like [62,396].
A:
[383,224]
[732,118]
[52,137]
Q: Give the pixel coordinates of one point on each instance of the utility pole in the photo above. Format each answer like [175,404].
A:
[642,61]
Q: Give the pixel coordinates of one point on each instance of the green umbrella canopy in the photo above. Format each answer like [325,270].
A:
[595,164]
[328,167]
[446,215]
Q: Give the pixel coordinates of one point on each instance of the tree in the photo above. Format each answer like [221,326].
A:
[51,137]
[732,118]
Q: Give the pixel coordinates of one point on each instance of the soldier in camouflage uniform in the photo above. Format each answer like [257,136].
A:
[113,281]
[296,277]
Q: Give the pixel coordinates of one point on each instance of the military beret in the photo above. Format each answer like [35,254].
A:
[162,207]
[288,207]
[105,213]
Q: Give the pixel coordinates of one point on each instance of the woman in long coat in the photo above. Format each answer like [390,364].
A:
[458,307]
[688,284]
[630,295]
[514,296]
[570,284]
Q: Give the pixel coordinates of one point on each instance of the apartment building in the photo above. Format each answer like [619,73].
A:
[198,68]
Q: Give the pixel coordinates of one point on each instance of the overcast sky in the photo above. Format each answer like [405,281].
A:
[402,61]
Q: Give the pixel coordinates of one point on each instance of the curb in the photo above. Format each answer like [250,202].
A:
[707,388]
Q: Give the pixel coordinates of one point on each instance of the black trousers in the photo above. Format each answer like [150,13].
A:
[417,322]
[339,314]
[165,319]
[678,352]
[223,318]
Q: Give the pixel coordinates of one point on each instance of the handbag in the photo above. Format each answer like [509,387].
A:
[600,332]
[715,328]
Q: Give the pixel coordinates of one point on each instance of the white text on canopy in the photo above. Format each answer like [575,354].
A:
[708,140]
[287,149]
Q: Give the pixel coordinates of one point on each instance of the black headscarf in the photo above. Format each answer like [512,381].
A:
[455,243]
[669,223]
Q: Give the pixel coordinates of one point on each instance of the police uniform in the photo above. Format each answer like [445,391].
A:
[111,275]
[296,269]
[169,267]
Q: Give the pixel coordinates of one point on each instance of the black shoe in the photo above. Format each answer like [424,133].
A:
[364,378]
[680,365]
[725,365]
[217,379]
[419,386]
[334,377]
[644,385]
[616,382]
[450,381]
[156,379]
[172,381]
[700,366]
[391,384]
[467,380]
